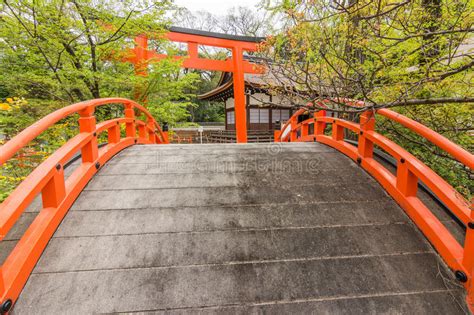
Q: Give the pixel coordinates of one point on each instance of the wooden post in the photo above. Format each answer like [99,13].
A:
[337,131]
[113,134]
[367,123]
[239,95]
[407,182]
[130,130]
[90,151]
[54,191]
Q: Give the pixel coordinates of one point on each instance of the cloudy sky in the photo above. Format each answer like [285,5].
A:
[219,7]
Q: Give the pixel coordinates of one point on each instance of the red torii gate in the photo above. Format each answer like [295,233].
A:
[140,56]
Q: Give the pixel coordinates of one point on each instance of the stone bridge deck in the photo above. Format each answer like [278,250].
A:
[218,229]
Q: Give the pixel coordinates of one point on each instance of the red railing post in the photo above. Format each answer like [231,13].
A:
[130,130]
[113,134]
[87,122]
[407,182]
[367,123]
[142,134]
[151,131]
[276,135]
[318,124]
[293,131]
[54,191]
[337,131]
[304,130]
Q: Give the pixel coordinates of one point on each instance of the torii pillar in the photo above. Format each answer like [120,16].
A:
[239,95]
[140,56]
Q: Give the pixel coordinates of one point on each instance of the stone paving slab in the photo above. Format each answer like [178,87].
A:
[321,159]
[187,219]
[228,195]
[218,166]
[216,179]
[273,149]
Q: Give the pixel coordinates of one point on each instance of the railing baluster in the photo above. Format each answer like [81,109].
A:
[87,122]
[337,131]
[113,134]
[151,131]
[142,134]
[319,125]
[407,182]
[130,126]
[54,191]
[293,131]
[304,130]
[367,123]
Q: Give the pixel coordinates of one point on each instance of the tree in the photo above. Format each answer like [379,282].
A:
[386,53]
[69,50]
[244,21]
[57,52]
[237,21]
[414,56]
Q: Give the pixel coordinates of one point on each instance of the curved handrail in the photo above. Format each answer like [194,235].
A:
[404,184]
[10,148]
[57,192]
[282,136]
[460,154]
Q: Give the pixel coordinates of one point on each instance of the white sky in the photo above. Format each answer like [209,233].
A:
[218,7]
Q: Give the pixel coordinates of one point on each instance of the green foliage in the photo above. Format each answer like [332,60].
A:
[69,50]
[209,111]
[169,92]
[379,51]
[54,53]
[15,115]
[187,124]
[451,121]
[386,53]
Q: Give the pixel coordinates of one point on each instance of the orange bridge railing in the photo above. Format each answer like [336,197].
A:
[59,193]
[403,185]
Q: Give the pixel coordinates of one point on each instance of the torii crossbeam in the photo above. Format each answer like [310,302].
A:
[140,56]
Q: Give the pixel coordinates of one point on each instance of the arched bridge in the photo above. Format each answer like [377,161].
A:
[309,224]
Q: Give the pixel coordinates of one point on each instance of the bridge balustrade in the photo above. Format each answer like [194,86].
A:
[59,193]
[403,185]
[48,179]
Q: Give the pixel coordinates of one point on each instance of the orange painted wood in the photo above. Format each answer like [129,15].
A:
[403,186]
[48,178]
[140,56]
